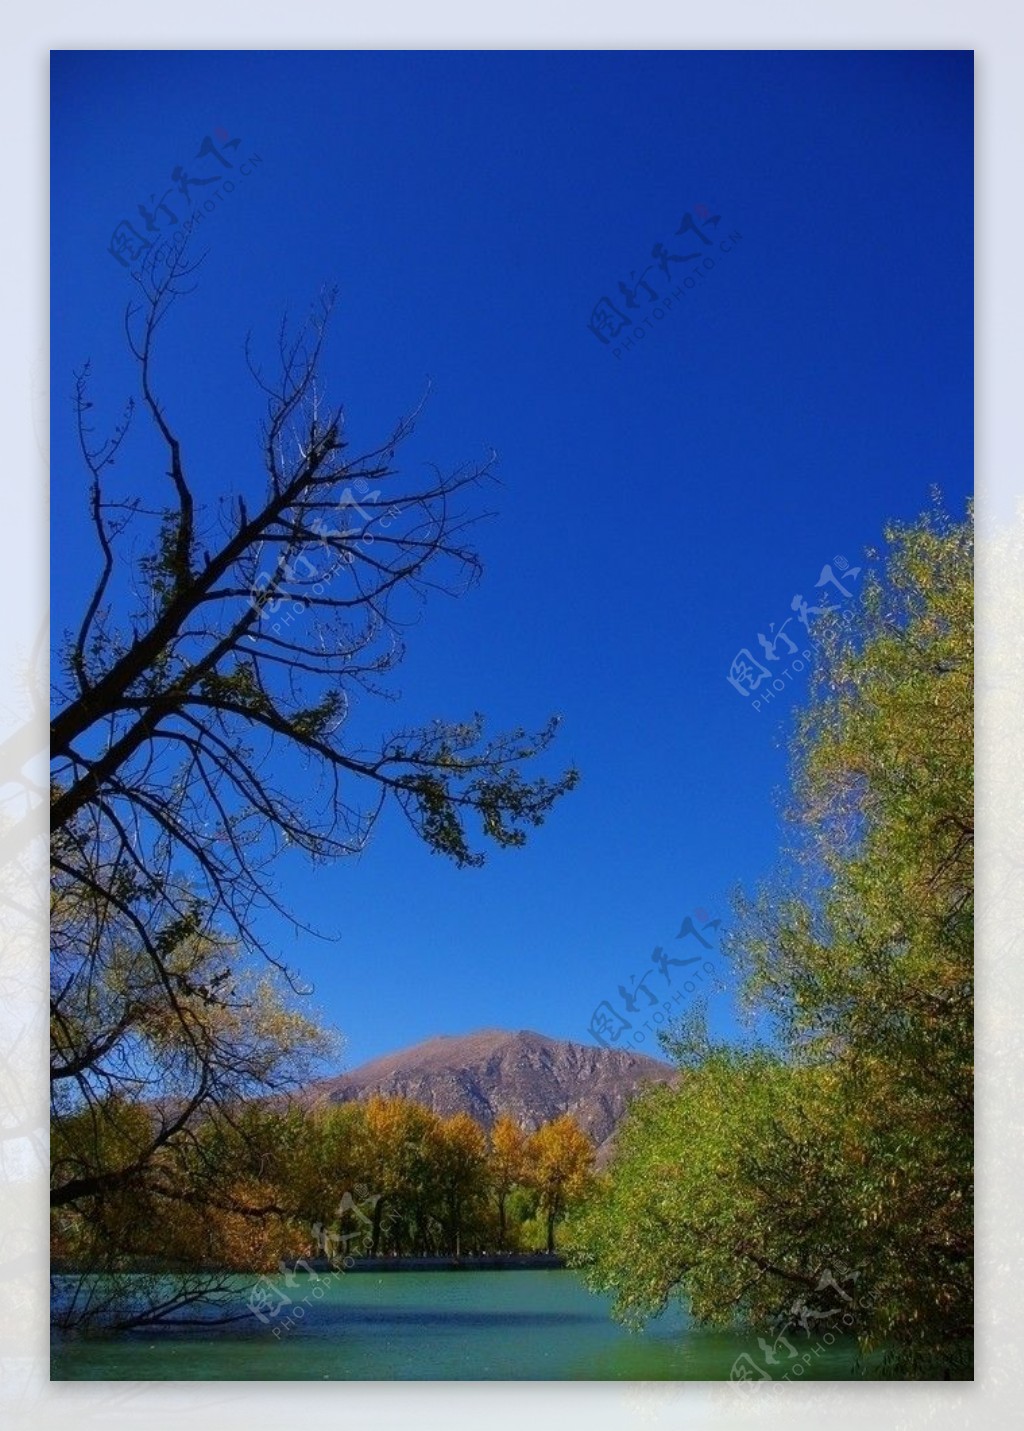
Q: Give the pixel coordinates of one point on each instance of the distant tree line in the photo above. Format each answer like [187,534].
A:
[380,1177]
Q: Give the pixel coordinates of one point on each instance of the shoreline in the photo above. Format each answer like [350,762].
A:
[448,1262]
[469,1262]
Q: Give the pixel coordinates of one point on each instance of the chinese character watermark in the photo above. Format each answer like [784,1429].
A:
[806,1322]
[749,673]
[652,1006]
[164,221]
[644,304]
[341,546]
[360,1212]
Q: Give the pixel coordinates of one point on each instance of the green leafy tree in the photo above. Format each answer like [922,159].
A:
[846,1143]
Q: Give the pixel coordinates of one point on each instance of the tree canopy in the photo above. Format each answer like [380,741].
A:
[843,1145]
[288,1181]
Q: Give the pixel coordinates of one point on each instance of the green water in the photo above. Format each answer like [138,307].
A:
[430,1326]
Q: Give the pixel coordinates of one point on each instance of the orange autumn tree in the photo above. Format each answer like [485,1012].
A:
[559,1165]
[507,1167]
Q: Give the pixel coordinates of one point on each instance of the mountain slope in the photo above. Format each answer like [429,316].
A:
[524,1074]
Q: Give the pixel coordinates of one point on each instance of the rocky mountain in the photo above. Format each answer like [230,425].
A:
[524,1074]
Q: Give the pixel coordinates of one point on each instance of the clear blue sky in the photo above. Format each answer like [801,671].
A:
[657,511]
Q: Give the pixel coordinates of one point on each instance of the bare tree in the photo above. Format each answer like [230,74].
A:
[202,710]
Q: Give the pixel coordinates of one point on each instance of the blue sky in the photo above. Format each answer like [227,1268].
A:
[657,509]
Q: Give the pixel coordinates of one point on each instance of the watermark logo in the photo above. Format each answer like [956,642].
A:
[266,1300]
[265,593]
[165,221]
[620,331]
[805,1322]
[609,1027]
[349,1234]
[748,674]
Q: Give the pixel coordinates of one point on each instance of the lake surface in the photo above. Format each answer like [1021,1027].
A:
[436,1326]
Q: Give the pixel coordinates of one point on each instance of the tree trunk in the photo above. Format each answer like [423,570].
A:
[378,1209]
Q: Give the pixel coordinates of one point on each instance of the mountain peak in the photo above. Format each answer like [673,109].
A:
[489,1072]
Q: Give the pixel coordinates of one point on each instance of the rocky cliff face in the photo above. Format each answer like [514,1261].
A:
[528,1076]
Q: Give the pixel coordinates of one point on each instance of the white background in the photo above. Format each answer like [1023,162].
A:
[994,31]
